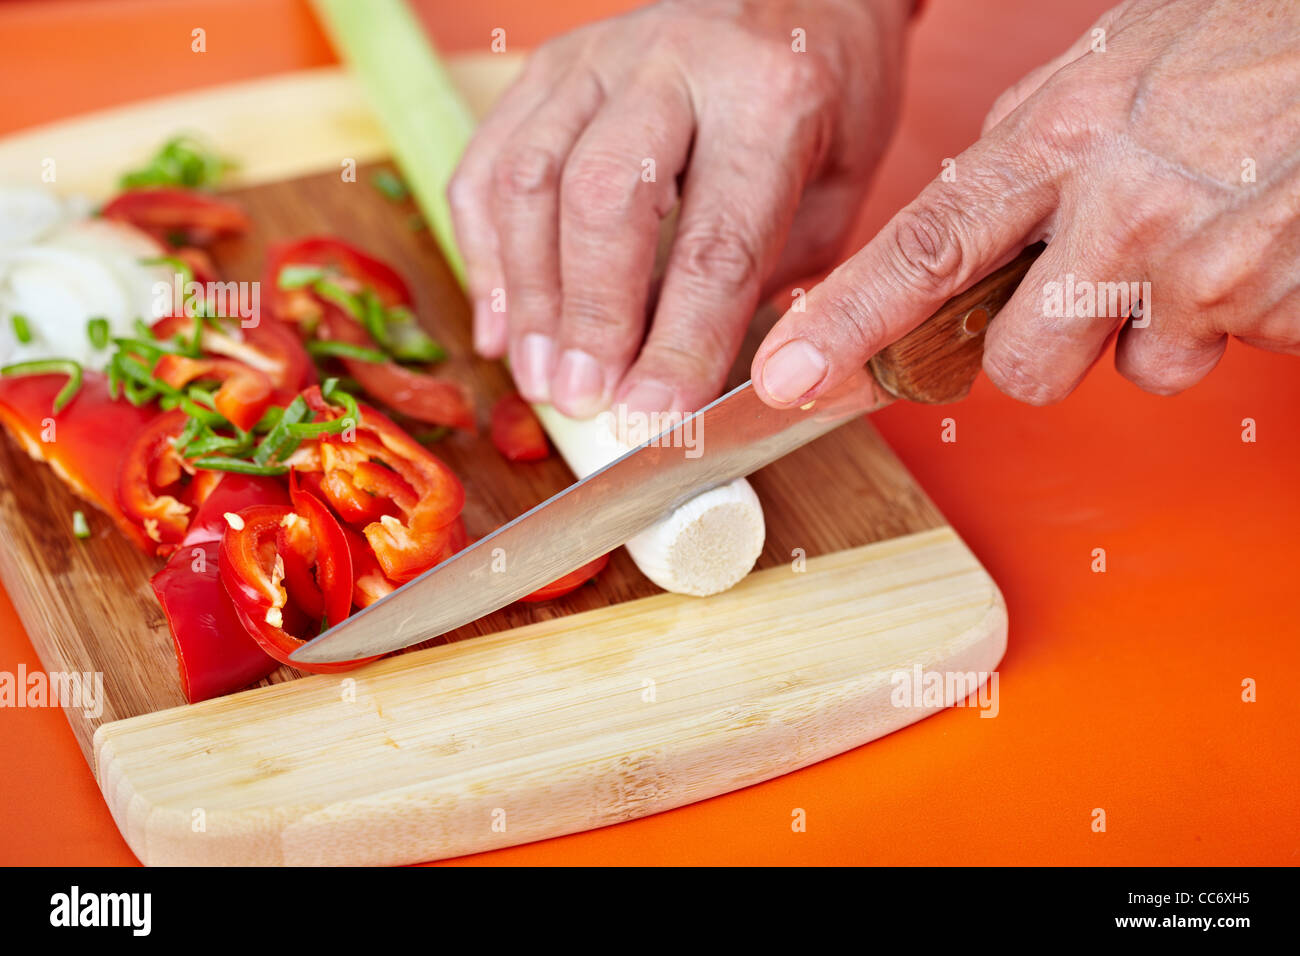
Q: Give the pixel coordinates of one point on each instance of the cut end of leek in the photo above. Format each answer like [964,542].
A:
[707,545]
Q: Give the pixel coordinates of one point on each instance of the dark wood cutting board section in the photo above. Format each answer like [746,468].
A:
[87,605]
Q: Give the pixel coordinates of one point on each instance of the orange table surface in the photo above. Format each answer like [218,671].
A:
[1121,691]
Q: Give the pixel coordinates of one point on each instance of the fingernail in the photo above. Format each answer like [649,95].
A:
[650,396]
[578,388]
[489,330]
[792,370]
[532,366]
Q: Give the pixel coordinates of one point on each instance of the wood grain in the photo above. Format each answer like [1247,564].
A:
[553,728]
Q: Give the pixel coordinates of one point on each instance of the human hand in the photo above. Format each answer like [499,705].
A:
[559,198]
[1159,155]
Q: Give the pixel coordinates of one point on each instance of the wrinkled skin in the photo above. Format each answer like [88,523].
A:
[768,150]
[1172,157]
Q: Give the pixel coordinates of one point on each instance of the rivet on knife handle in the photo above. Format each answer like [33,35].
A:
[938,360]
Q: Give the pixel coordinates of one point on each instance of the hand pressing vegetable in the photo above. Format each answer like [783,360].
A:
[559,198]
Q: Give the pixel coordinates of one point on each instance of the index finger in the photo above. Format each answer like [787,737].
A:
[954,233]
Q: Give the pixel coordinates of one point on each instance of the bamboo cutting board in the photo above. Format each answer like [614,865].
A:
[612,703]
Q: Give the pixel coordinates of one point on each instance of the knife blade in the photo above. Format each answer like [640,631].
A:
[735,436]
[727,439]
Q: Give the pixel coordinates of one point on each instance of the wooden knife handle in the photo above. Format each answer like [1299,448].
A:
[938,360]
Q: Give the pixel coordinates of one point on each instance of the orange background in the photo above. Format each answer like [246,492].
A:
[1119,690]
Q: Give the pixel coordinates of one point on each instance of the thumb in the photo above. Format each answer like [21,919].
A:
[950,236]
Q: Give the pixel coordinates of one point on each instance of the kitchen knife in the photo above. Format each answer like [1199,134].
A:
[732,437]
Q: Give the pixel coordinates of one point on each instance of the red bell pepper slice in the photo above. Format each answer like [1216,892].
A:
[178,217]
[149,488]
[516,431]
[317,558]
[426,528]
[253,570]
[85,443]
[214,651]
[244,395]
[424,397]
[570,582]
[368,581]
[270,347]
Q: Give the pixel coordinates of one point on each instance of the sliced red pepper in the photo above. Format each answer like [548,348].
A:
[178,217]
[214,651]
[516,431]
[148,482]
[570,582]
[253,572]
[426,398]
[317,557]
[426,529]
[270,347]
[244,395]
[337,256]
[368,581]
[85,443]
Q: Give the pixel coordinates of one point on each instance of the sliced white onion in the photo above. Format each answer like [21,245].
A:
[706,546]
[81,270]
[27,214]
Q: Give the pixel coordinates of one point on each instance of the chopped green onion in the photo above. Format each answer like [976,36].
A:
[234,446]
[202,395]
[181,267]
[51,367]
[418,347]
[299,276]
[375,319]
[80,529]
[22,330]
[268,419]
[188,434]
[327,348]
[333,393]
[279,443]
[149,348]
[345,300]
[97,330]
[351,416]
[240,466]
[181,161]
[390,185]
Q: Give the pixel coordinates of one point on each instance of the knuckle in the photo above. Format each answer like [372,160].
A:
[598,189]
[722,256]
[524,170]
[927,247]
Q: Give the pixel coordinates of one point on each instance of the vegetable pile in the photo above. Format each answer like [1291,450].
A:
[245,453]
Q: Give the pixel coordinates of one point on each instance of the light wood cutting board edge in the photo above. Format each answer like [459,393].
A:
[881,609]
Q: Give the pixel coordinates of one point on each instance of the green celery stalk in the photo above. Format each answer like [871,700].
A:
[427,122]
